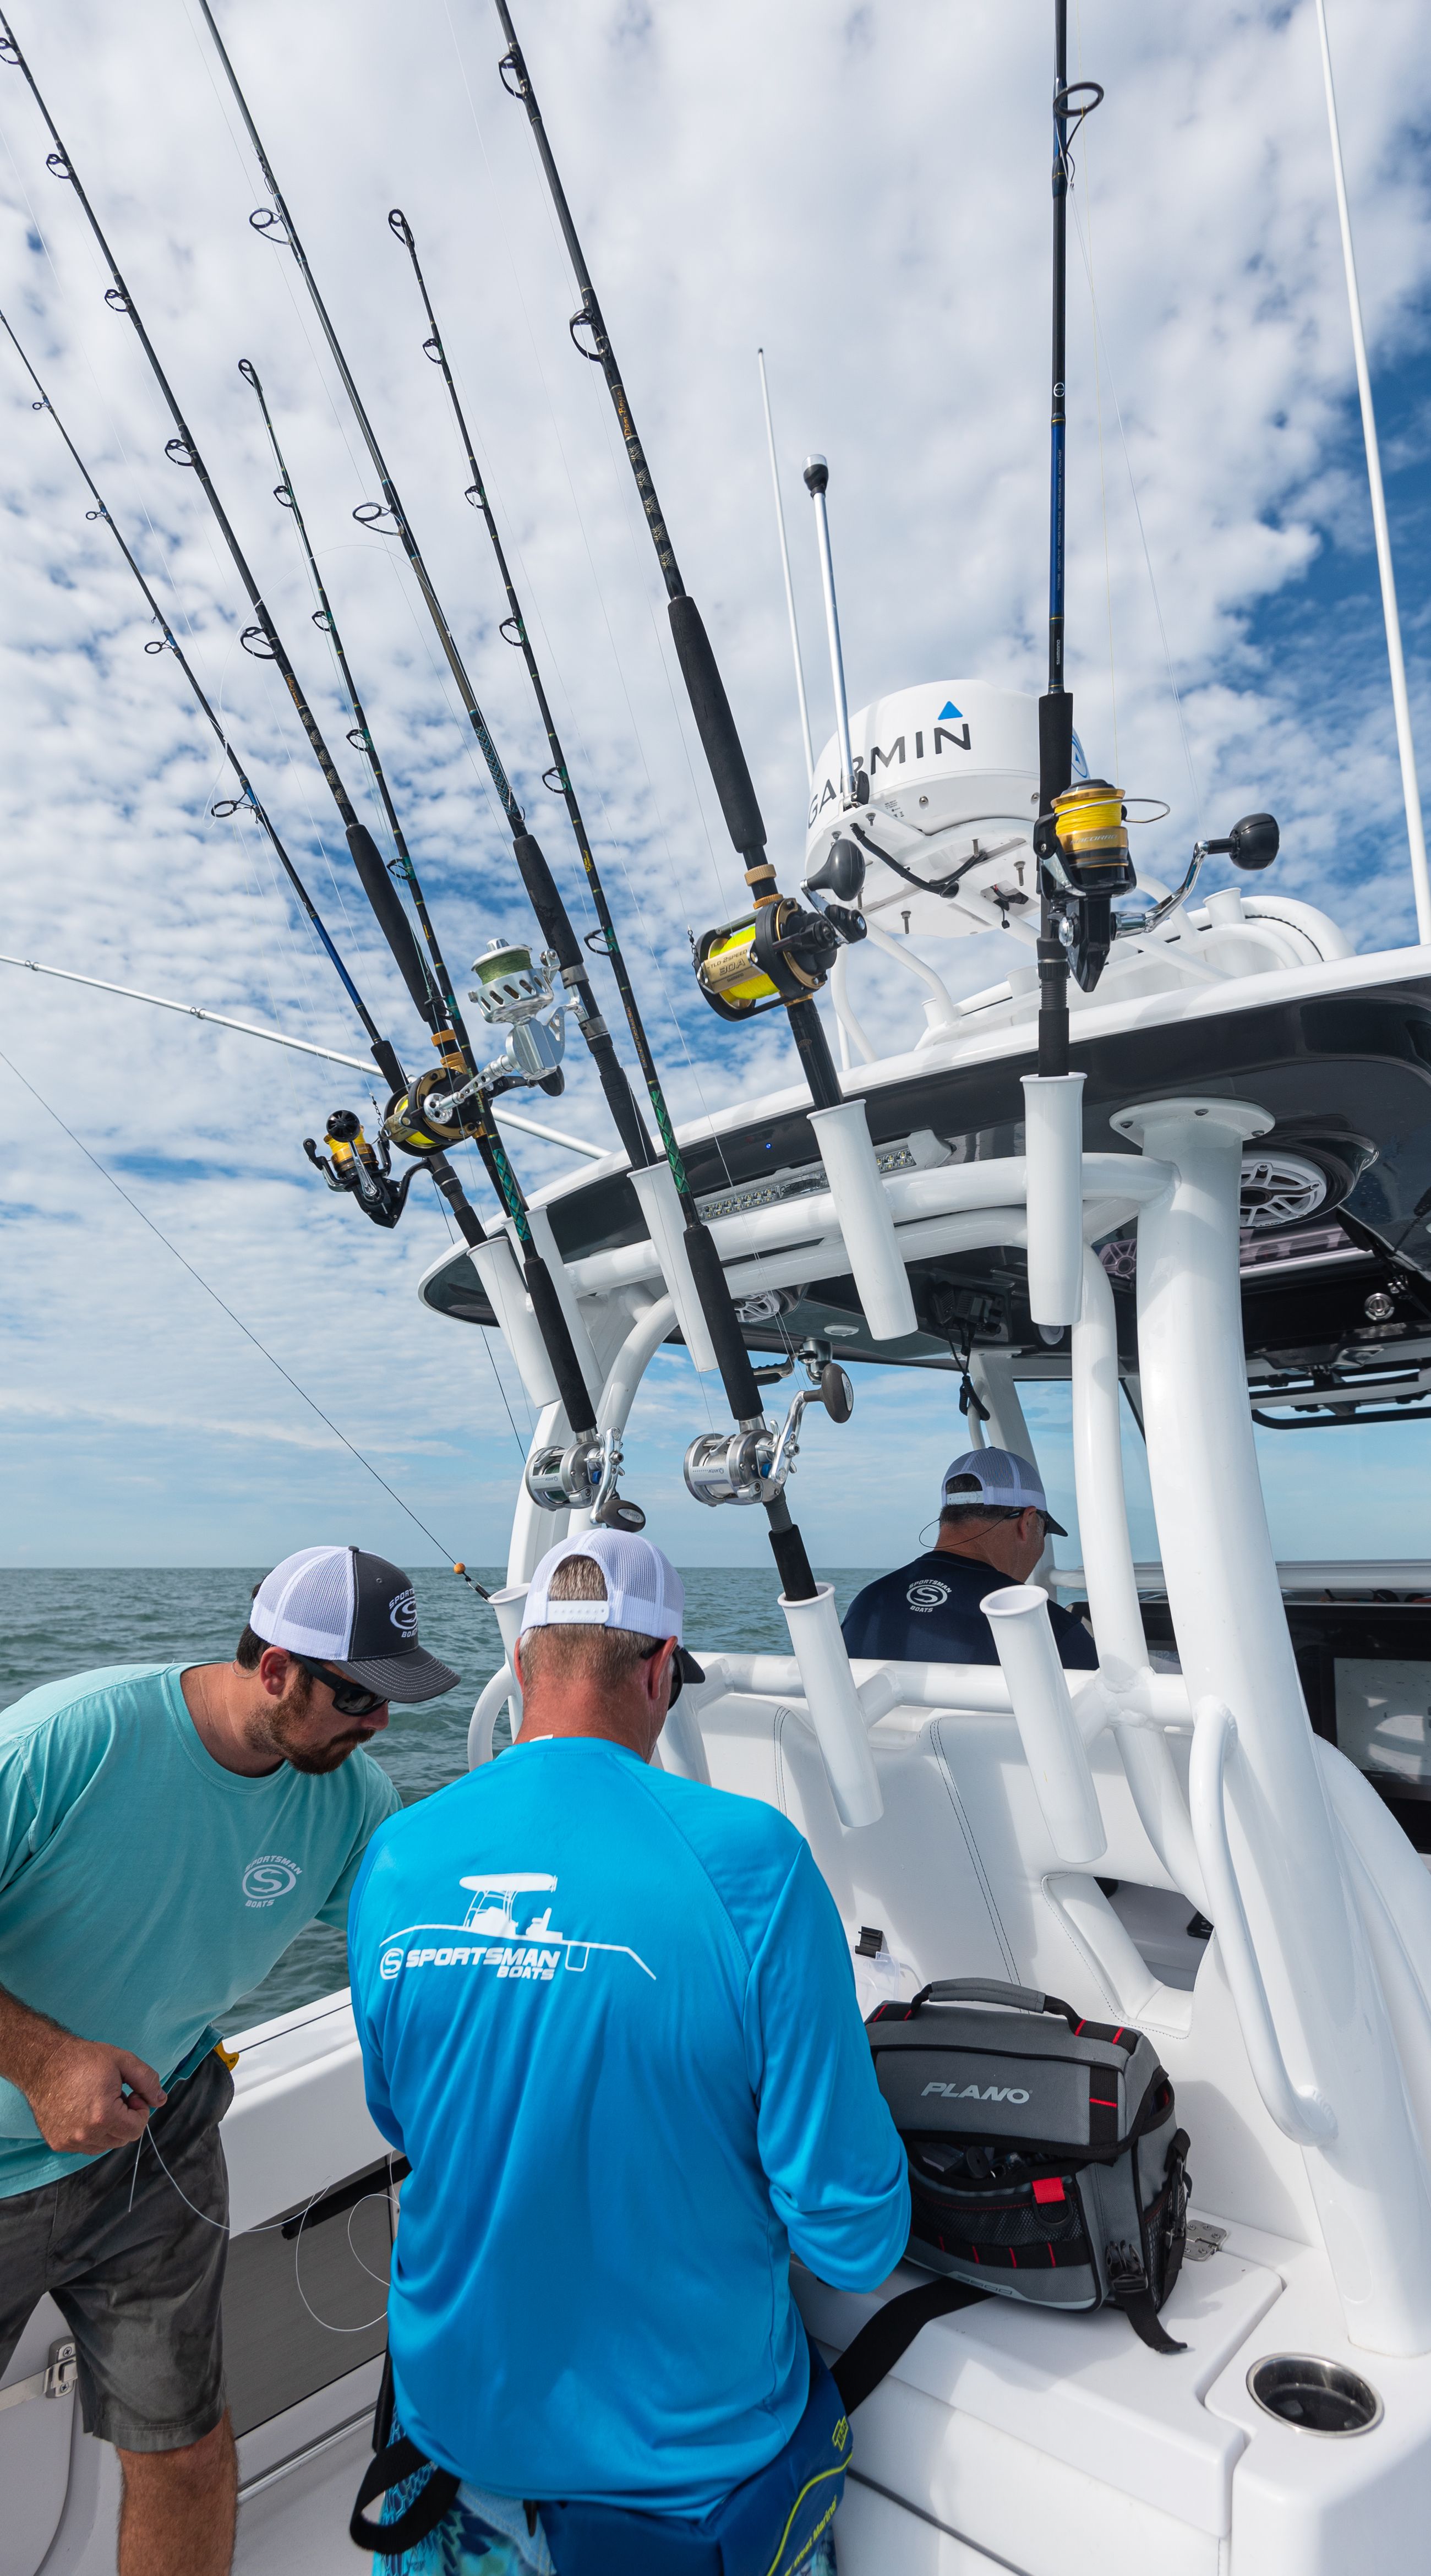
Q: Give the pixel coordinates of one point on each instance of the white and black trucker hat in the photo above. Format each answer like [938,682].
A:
[643,1592]
[1002,1480]
[354,1612]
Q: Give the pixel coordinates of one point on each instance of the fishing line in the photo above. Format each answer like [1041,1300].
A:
[1102,344]
[261,1347]
[273,2227]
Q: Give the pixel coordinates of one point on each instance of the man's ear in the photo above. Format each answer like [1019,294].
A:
[517,1663]
[273,1669]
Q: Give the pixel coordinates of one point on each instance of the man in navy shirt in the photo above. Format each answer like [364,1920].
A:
[993,1521]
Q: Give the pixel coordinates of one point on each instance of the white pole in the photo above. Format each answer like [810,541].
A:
[785,568]
[300,1046]
[817,477]
[1415,829]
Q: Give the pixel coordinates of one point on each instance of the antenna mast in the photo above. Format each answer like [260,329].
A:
[1415,829]
[785,568]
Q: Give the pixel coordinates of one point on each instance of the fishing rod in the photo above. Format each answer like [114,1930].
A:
[277,225]
[593,1459]
[534,1046]
[1081,836]
[782,952]
[727,1350]
[359,1169]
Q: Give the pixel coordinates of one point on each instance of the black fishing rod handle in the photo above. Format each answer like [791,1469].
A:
[715,724]
[737,1375]
[393,922]
[544,895]
[797,1581]
[576,1403]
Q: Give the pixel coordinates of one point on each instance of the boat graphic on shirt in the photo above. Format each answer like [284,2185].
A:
[532,1954]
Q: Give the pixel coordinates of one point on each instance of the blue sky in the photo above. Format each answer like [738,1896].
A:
[875,211]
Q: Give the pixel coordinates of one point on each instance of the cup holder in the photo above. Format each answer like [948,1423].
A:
[1314,2396]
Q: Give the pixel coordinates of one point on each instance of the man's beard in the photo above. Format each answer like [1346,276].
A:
[285,1732]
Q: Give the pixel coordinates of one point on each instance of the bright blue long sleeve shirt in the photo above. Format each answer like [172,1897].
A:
[609,2016]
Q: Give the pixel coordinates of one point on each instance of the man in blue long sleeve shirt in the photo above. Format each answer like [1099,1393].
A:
[609,2015]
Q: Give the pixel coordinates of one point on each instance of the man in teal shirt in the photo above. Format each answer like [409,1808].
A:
[165,1832]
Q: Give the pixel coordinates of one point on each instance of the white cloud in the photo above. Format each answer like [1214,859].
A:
[866,193]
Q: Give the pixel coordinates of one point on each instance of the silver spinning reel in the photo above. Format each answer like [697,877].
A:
[753,1463]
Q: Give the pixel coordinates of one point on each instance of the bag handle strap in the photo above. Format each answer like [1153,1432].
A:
[990,1990]
[891,2331]
[396,2461]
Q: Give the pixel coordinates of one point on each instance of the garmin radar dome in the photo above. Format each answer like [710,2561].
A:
[946,799]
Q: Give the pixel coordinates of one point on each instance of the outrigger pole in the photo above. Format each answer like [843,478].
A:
[366,1175]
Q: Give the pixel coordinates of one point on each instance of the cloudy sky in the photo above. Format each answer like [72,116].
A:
[864,191]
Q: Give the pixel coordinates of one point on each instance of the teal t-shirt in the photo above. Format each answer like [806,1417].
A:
[144,1888]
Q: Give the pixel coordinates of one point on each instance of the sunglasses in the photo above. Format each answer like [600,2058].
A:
[349,1698]
[678,1678]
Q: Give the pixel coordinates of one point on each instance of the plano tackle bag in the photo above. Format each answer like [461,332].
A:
[1045,2159]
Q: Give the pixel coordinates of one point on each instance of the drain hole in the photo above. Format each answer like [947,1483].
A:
[1314,2396]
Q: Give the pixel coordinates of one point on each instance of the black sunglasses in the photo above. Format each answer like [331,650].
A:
[349,1698]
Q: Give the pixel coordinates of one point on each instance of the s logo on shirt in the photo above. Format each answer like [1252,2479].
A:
[927,1593]
[267,1877]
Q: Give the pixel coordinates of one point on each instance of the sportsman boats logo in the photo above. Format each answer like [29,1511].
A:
[532,1954]
[927,1593]
[267,1877]
[402,1614]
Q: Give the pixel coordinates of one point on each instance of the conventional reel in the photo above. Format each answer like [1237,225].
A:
[583,1477]
[753,1463]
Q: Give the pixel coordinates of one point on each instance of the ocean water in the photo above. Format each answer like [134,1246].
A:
[55,1621]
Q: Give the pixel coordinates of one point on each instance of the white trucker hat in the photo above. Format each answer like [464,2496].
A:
[644,1593]
[1001,1479]
[355,1613]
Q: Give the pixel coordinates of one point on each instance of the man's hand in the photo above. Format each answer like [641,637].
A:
[75,2087]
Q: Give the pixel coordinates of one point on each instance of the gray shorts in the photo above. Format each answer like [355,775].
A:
[135,2273]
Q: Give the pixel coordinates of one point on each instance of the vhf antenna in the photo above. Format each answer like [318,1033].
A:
[785,569]
[817,481]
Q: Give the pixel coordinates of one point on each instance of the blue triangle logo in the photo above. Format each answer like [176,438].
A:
[947,711]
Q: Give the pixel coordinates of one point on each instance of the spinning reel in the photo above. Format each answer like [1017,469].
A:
[362,1169]
[1082,847]
[513,992]
[752,1464]
[583,1477]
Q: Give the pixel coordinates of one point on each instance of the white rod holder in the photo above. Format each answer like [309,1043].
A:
[1048,1729]
[666,1226]
[496,1266]
[502,1686]
[539,1219]
[842,1136]
[1053,1150]
[835,1713]
[507,1607]
[1305,2116]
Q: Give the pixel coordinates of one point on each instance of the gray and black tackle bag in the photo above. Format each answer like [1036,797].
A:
[1045,2163]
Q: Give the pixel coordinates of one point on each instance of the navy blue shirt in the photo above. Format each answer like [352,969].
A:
[929,1613]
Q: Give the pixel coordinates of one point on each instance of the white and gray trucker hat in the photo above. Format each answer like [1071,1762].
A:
[355,1613]
[643,1592]
[1002,1480]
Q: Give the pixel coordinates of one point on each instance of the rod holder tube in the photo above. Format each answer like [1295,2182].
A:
[666,1226]
[842,1136]
[835,1713]
[496,1267]
[1048,1729]
[542,1236]
[1053,1149]
[1369,2182]
[1302,2115]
